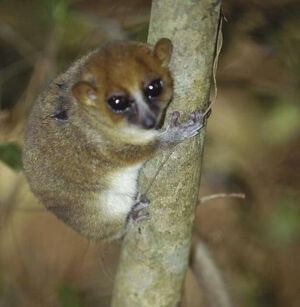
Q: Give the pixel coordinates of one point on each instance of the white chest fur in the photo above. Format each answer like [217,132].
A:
[119,198]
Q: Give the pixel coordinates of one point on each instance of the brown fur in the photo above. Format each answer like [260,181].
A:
[120,68]
[70,163]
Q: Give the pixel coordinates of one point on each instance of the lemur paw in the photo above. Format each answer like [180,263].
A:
[142,202]
[177,132]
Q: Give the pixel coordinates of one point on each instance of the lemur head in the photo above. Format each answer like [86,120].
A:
[127,84]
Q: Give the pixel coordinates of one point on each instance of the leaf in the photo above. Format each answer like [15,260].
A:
[11,154]
[140,33]
[69,297]
[282,227]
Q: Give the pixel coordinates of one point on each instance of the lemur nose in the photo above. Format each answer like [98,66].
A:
[148,122]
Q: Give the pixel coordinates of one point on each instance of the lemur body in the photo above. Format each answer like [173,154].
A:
[92,129]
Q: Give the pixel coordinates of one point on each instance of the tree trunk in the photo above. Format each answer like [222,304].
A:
[155,252]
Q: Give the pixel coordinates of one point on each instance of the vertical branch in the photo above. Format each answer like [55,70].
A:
[155,252]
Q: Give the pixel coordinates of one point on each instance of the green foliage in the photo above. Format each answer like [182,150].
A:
[251,290]
[69,297]
[283,225]
[140,33]
[282,122]
[59,11]
[58,8]
[11,154]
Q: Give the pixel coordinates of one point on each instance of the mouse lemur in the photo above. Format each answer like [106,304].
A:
[91,130]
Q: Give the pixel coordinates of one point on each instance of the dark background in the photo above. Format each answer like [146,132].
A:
[252,147]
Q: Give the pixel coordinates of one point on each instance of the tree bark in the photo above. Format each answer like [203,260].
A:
[155,252]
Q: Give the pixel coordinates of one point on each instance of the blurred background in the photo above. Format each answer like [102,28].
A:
[252,147]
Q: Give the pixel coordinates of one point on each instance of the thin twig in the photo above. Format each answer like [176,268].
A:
[159,169]
[8,34]
[13,69]
[216,61]
[38,210]
[221,195]
[209,276]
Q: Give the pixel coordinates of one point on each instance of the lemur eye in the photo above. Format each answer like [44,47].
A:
[119,103]
[153,89]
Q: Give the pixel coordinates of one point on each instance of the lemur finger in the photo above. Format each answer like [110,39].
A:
[198,115]
[143,199]
[193,134]
[193,116]
[195,130]
[199,124]
[140,206]
[141,217]
[187,123]
[141,203]
[174,117]
[196,127]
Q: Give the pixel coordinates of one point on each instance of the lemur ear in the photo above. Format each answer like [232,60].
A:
[163,51]
[85,93]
